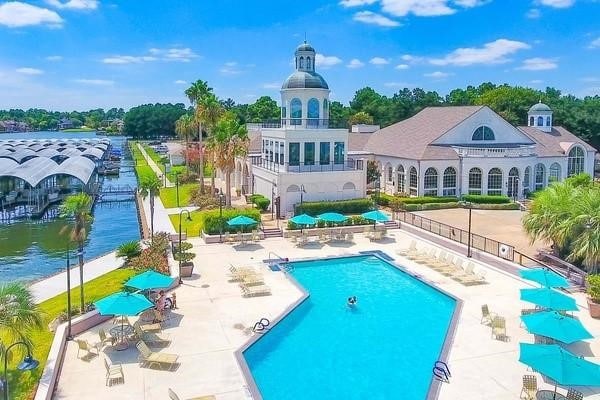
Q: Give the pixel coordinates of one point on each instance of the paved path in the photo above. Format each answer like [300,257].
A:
[153,165]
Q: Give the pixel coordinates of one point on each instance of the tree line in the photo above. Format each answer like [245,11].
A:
[40,120]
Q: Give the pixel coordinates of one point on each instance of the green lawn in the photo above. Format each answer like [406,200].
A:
[168,196]
[192,228]
[23,384]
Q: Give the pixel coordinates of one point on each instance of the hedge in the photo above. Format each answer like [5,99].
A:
[260,201]
[354,206]
[212,222]
[505,206]
[388,200]
[352,220]
[431,206]
[482,199]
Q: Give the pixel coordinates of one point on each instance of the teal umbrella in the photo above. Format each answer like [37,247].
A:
[241,220]
[376,216]
[556,326]
[332,217]
[303,219]
[123,303]
[150,280]
[559,365]
[549,298]
[545,277]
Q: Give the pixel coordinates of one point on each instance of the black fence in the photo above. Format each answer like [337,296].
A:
[305,123]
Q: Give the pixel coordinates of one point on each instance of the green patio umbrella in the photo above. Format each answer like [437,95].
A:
[303,220]
[150,280]
[375,216]
[559,365]
[332,217]
[123,303]
[545,277]
[242,220]
[549,298]
[556,326]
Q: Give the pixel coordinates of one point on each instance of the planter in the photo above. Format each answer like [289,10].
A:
[187,268]
[594,308]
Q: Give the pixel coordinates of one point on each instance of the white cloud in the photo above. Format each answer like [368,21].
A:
[15,14]
[422,8]
[180,82]
[74,4]
[398,85]
[356,3]
[534,13]
[326,61]
[402,66]
[595,43]
[95,82]
[378,61]
[557,3]
[590,79]
[495,52]
[369,17]
[271,85]
[538,64]
[230,68]
[54,58]
[118,59]
[181,54]
[437,75]
[355,63]
[471,3]
[29,71]
[410,59]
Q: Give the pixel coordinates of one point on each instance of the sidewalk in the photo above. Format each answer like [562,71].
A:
[154,167]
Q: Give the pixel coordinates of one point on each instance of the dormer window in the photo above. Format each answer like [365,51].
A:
[540,121]
[548,121]
[531,121]
[483,133]
[308,63]
[301,65]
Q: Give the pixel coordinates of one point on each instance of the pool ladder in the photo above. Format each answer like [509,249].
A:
[261,325]
[441,371]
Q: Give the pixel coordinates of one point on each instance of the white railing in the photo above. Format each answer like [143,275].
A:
[523,151]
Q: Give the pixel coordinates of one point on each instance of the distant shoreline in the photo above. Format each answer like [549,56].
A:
[77,130]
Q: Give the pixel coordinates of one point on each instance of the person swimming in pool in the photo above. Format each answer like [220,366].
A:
[352,301]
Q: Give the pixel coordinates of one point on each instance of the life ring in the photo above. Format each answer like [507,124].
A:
[504,250]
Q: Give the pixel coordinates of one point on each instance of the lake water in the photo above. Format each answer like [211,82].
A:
[31,250]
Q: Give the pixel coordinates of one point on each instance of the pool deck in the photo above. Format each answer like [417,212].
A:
[213,321]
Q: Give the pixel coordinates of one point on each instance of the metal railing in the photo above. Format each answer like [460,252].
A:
[348,165]
[523,151]
[304,123]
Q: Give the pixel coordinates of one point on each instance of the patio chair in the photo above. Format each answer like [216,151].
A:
[149,327]
[529,388]
[239,238]
[439,261]
[251,291]
[376,235]
[252,280]
[429,256]
[486,316]
[173,396]
[454,269]
[573,394]
[149,357]
[104,340]
[448,267]
[152,339]
[499,328]
[114,372]
[255,236]
[83,345]
[412,247]
[368,232]
[241,274]
[476,278]
[349,237]
[120,320]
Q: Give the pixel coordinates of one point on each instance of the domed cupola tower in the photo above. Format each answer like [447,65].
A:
[305,94]
[540,117]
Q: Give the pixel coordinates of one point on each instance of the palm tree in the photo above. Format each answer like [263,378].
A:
[208,112]
[185,127]
[19,314]
[584,226]
[228,140]
[78,207]
[150,186]
[195,94]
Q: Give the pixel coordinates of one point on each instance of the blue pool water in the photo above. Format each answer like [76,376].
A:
[383,349]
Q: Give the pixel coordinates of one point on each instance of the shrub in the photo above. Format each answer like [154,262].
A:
[128,250]
[154,256]
[482,199]
[355,206]
[188,177]
[260,201]
[397,201]
[431,206]
[184,255]
[506,206]
[204,201]
[593,289]
[212,222]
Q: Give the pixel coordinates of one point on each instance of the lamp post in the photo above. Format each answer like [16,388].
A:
[179,248]
[468,206]
[68,292]
[27,364]
[302,191]
[177,187]
[221,197]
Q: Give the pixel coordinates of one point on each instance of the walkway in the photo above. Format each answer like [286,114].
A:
[153,165]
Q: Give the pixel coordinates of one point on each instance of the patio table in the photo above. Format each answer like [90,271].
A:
[122,334]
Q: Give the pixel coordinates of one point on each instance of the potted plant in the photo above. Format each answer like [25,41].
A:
[185,257]
[593,290]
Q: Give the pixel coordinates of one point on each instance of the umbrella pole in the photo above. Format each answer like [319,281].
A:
[554,397]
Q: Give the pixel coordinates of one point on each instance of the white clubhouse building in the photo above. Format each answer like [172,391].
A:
[441,151]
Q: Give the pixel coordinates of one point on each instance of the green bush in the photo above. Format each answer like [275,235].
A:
[398,201]
[505,206]
[184,255]
[212,222]
[482,199]
[352,220]
[593,287]
[260,201]
[355,206]
[431,206]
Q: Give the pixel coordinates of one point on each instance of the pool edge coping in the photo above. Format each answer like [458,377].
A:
[434,386]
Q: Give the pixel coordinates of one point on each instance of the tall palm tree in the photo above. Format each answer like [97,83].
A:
[19,314]
[195,93]
[185,127]
[208,112]
[150,186]
[228,140]
[78,207]
[584,226]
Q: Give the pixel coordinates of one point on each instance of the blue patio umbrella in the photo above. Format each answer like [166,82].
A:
[149,280]
[332,217]
[545,277]
[549,298]
[242,220]
[123,303]
[556,326]
[559,365]
[375,216]
[303,219]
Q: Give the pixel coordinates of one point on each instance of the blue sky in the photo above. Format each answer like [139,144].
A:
[81,54]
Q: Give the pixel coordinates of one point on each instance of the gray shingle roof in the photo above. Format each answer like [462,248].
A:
[305,79]
[554,143]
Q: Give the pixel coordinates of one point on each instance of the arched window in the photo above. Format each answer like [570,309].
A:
[296,111]
[413,181]
[293,188]
[475,181]
[576,161]
[513,182]
[313,108]
[401,179]
[531,121]
[554,173]
[526,178]
[301,62]
[548,121]
[349,186]
[540,176]
[494,186]
[308,63]
[390,173]
[449,182]
[540,121]
[483,133]
[430,182]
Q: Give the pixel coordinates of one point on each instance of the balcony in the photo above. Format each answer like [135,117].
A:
[348,165]
[304,123]
[496,152]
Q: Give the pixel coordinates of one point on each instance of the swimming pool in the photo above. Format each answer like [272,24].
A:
[384,348]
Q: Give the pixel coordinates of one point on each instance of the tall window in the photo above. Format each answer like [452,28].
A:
[294,157]
[390,173]
[513,182]
[338,153]
[308,63]
[283,113]
[281,153]
[526,178]
[313,108]
[301,62]
[475,181]
[400,179]
[548,121]
[296,111]
[430,182]
[494,186]
[324,156]
[540,121]
[309,153]
[483,133]
[449,182]
[576,161]
[554,173]
[540,176]
[531,121]
[276,152]
[413,181]
[271,150]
